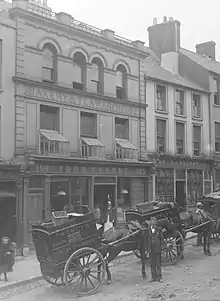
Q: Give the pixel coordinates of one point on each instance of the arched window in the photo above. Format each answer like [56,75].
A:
[79,71]
[49,63]
[96,76]
[121,86]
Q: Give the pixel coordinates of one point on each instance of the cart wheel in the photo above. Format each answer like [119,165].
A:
[84,271]
[56,281]
[215,235]
[173,249]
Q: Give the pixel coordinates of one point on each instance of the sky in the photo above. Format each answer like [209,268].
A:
[200,20]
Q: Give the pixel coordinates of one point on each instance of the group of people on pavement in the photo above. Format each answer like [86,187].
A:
[155,240]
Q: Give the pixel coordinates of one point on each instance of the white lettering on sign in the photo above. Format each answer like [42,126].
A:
[76,100]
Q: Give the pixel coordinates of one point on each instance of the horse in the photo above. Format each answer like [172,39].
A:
[200,223]
[128,238]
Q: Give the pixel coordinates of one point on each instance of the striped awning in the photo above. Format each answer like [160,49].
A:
[92,142]
[53,136]
[123,143]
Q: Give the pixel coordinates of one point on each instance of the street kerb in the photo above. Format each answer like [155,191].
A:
[25,282]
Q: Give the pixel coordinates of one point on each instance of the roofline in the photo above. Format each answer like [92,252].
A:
[175,84]
[38,18]
[197,62]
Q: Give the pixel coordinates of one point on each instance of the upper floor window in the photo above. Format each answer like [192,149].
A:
[196,105]
[160,98]
[216,92]
[180,138]
[79,71]
[121,86]
[197,132]
[96,76]
[161,135]
[49,118]
[121,128]
[88,125]
[1,60]
[217,136]
[179,102]
[49,63]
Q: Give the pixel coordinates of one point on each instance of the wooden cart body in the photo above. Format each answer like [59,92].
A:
[55,244]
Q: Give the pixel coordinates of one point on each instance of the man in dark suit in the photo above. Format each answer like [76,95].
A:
[155,243]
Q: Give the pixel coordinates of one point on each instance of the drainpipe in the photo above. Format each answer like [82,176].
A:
[210,139]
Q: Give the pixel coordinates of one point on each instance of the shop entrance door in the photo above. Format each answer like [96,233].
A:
[101,192]
[180,193]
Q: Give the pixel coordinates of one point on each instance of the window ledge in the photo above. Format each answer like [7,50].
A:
[197,118]
[179,116]
[216,105]
[162,112]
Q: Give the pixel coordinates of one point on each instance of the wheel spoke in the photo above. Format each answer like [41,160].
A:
[90,274]
[90,282]
[74,277]
[94,259]
[93,268]
[89,256]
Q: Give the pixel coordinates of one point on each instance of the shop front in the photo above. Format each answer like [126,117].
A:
[183,179]
[52,185]
[11,202]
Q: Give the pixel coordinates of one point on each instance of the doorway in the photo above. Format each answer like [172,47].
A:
[180,193]
[101,193]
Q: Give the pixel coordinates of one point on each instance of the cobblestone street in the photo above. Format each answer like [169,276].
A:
[195,278]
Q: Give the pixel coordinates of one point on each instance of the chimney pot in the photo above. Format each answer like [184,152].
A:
[207,49]
[164,19]
[154,21]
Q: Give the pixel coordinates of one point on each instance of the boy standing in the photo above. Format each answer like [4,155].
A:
[155,243]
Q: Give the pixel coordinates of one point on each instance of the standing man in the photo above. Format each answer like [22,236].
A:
[155,243]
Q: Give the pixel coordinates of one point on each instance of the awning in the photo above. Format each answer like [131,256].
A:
[213,195]
[53,136]
[123,143]
[92,142]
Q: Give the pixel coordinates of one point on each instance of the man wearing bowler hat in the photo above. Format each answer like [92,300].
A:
[155,244]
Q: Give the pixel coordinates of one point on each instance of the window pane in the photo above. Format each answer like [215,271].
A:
[161,97]
[180,131]
[77,73]
[88,125]
[48,58]
[94,73]
[161,128]
[197,133]
[120,79]
[49,118]
[215,88]
[121,128]
[217,129]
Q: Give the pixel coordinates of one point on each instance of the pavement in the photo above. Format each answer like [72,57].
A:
[27,269]
[195,278]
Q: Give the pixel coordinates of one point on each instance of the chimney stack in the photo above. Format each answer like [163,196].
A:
[164,37]
[207,49]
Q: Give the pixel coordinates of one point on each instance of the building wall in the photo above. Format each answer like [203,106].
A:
[7,89]
[33,32]
[214,112]
[171,118]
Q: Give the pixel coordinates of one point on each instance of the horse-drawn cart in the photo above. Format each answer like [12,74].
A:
[211,203]
[169,220]
[71,252]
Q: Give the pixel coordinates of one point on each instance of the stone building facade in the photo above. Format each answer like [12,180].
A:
[80,119]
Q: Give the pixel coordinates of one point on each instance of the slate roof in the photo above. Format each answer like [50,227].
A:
[155,71]
[203,61]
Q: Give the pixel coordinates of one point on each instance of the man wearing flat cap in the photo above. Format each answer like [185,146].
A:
[155,244]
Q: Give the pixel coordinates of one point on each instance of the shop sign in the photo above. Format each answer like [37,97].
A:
[78,101]
[182,164]
[92,170]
